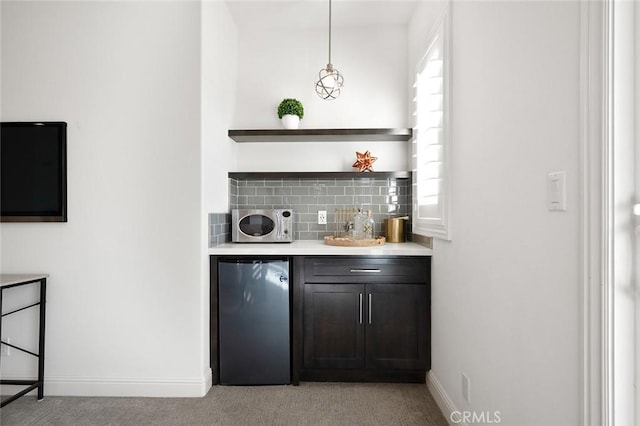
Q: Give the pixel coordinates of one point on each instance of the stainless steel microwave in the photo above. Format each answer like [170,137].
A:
[262,225]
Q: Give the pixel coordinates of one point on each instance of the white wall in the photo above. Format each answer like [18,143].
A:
[279,63]
[505,292]
[219,74]
[218,157]
[124,314]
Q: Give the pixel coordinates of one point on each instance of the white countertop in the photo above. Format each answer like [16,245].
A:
[318,248]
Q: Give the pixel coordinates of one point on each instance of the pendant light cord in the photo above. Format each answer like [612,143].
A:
[329,80]
[329,31]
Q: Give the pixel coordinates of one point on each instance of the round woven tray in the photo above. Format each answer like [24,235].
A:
[350,242]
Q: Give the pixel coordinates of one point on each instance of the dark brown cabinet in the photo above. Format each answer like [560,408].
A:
[396,333]
[333,326]
[364,318]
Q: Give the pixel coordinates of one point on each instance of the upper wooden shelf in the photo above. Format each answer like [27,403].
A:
[321,135]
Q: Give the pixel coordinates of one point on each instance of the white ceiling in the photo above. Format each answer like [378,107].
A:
[315,13]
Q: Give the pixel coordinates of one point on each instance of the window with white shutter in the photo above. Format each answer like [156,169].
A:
[431,137]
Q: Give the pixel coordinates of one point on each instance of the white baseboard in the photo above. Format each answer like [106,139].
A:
[126,386]
[442,399]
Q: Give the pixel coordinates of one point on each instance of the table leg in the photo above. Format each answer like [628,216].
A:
[1,293]
[43,302]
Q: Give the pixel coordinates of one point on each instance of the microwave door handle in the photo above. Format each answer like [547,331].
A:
[279,225]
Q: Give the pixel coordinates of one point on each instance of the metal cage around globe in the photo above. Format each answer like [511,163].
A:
[329,83]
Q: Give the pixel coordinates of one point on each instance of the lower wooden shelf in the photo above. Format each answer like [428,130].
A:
[320,175]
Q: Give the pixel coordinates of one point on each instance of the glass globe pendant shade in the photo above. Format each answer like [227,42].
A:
[329,83]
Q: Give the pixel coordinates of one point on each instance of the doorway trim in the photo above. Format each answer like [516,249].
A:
[595,246]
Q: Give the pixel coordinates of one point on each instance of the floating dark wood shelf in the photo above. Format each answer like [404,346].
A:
[322,135]
[319,175]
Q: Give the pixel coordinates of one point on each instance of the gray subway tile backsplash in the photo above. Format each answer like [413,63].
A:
[219,228]
[384,197]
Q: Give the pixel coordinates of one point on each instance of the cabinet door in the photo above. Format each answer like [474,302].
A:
[397,326]
[334,326]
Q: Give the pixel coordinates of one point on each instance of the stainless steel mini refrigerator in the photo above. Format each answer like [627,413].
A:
[253,320]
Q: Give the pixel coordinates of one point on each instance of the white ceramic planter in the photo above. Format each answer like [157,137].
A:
[290,121]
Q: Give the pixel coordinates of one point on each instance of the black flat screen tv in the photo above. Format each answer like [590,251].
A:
[33,172]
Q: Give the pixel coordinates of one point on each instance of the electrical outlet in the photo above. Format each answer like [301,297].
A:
[322,217]
[466,388]
[5,350]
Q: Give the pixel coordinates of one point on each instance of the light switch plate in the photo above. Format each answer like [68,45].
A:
[557,191]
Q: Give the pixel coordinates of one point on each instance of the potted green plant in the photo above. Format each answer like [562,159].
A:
[290,111]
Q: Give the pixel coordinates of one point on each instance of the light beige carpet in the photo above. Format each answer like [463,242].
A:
[307,404]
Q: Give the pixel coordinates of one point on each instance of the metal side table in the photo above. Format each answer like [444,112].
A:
[8,281]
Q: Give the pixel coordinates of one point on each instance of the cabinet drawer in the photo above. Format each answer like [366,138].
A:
[353,269]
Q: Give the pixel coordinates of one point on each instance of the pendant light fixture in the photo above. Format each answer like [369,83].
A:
[329,80]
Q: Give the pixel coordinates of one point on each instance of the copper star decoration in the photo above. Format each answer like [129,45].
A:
[364,161]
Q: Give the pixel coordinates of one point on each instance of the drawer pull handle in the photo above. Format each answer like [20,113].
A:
[360,308]
[370,308]
[355,271]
